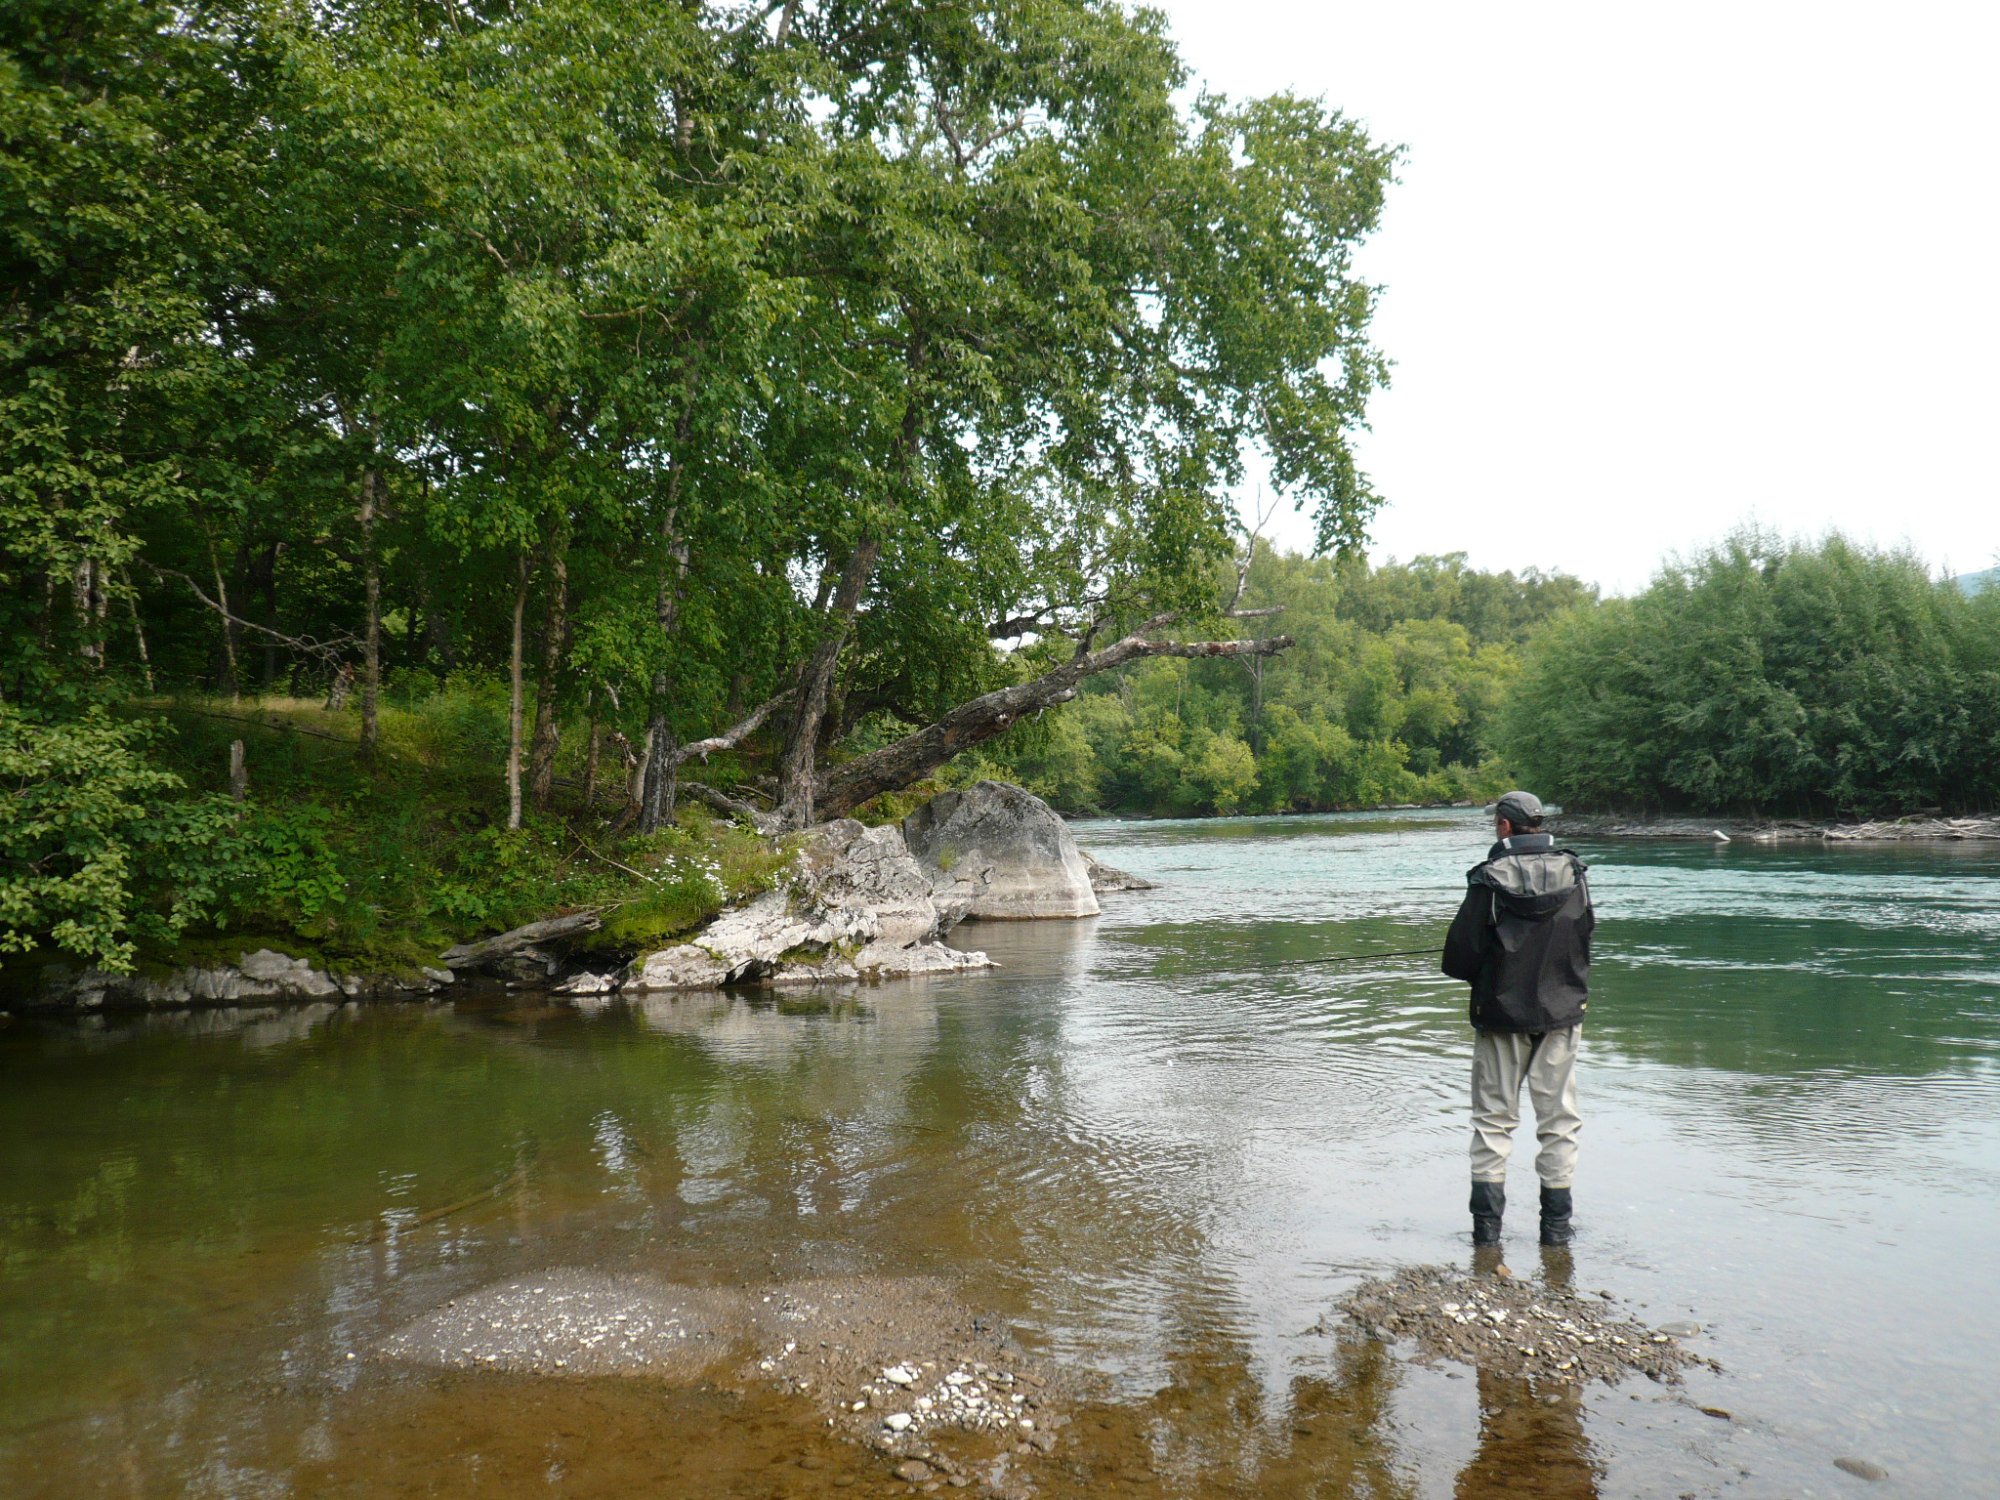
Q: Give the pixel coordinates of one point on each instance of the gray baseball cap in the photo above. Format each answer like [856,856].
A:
[1519,807]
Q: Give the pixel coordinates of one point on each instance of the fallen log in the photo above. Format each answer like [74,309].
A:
[507,944]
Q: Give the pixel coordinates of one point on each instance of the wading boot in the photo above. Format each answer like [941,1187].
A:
[1489,1202]
[1555,1217]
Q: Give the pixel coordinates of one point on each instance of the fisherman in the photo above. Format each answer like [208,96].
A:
[1522,940]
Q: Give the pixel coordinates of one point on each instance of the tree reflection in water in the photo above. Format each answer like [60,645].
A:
[1212,1433]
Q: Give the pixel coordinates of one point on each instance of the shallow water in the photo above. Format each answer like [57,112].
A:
[1155,1143]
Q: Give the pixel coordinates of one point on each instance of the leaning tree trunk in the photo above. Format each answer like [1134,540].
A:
[371,632]
[514,699]
[555,645]
[911,759]
[138,627]
[797,765]
[797,789]
[661,772]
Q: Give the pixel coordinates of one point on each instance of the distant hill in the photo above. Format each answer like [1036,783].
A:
[1976,583]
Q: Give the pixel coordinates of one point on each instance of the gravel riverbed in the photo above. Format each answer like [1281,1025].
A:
[899,1365]
[1521,1328]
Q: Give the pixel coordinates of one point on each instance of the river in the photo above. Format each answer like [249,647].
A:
[1156,1144]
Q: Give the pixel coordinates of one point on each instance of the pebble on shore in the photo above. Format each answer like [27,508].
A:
[1535,1332]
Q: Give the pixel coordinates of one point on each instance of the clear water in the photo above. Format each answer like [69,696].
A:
[1156,1142]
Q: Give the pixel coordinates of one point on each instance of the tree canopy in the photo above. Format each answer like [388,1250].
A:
[727,379]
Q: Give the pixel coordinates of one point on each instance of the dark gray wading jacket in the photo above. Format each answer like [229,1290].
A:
[1522,937]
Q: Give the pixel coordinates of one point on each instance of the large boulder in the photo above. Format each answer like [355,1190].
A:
[857,907]
[1000,853]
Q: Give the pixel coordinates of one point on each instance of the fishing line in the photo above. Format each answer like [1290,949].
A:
[1355,958]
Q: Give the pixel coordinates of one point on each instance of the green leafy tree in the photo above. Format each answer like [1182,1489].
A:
[128,144]
[707,383]
[1767,676]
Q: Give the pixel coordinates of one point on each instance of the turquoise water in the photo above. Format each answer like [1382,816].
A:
[1155,1142]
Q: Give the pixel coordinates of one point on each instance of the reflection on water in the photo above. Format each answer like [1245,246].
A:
[1531,1434]
[1157,1143]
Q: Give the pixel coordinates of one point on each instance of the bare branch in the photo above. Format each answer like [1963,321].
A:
[943,118]
[1006,630]
[585,845]
[1249,557]
[1001,133]
[325,650]
[735,733]
[1083,642]
[1242,579]
[1269,646]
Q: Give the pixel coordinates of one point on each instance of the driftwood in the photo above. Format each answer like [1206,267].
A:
[732,807]
[507,944]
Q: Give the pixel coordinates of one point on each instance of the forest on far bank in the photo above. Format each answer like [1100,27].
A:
[1768,676]
[1759,676]
[1391,693]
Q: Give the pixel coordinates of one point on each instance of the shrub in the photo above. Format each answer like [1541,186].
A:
[100,848]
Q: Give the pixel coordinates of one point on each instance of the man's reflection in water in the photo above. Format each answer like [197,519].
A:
[1531,1441]
[1209,1435]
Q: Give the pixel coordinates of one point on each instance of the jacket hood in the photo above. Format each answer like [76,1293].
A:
[1531,883]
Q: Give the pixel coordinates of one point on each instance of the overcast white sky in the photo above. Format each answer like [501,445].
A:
[1653,270]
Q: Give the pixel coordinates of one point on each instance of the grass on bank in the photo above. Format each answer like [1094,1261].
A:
[123,848]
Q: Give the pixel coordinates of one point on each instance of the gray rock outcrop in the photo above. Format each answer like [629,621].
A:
[1002,853]
[1105,879]
[857,907]
[262,975]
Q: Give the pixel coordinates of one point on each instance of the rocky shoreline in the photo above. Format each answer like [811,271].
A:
[860,905]
[1916,828]
[263,974]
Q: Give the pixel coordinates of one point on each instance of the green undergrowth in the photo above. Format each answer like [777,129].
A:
[697,869]
[125,849]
